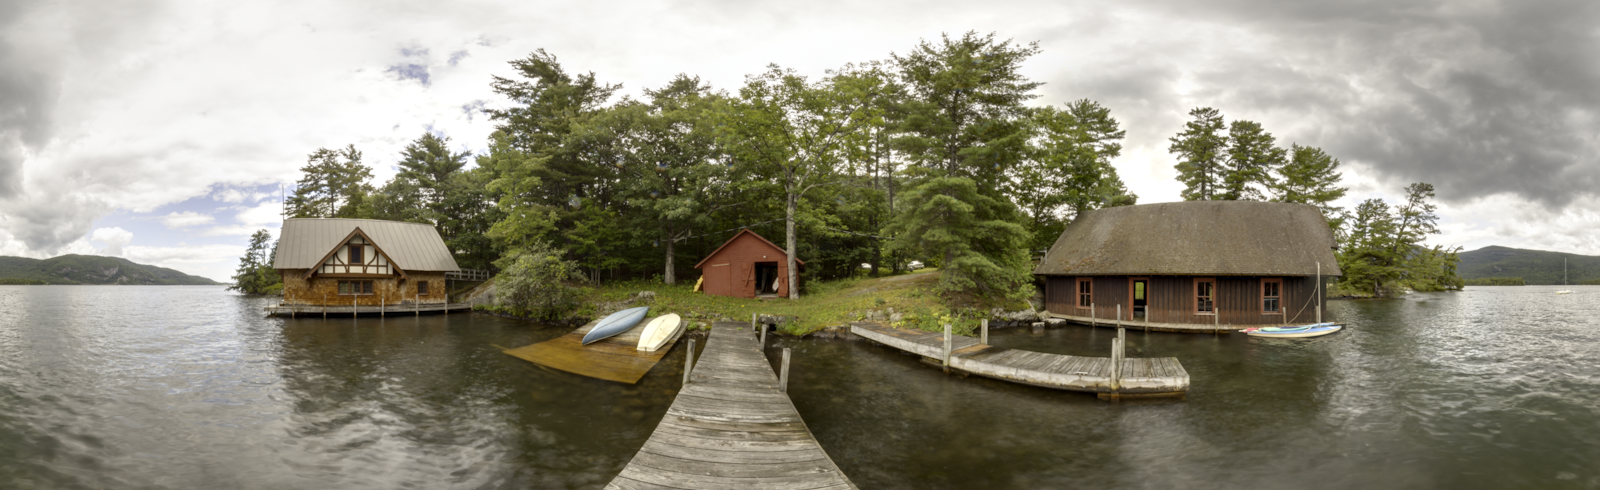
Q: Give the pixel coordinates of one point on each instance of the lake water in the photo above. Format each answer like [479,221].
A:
[191,387]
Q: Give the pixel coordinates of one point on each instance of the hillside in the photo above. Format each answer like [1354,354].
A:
[90,269]
[1533,266]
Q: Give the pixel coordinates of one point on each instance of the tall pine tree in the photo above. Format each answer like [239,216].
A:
[1201,148]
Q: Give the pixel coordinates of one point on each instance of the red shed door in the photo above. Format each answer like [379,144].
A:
[718,280]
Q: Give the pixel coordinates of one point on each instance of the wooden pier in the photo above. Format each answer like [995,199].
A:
[1162,376]
[731,427]
[1143,326]
[309,311]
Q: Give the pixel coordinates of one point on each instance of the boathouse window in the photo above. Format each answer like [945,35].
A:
[355,287]
[1271,296]
[355,255]
[422,288]
[1084,296]
[1205,292]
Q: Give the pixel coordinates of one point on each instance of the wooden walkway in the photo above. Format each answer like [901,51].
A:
[614,359]
[730,428]
[309,311]
[1141,376]
[1164,327]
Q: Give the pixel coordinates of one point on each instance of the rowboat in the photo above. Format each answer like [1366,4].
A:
[615,323]
[659,331]
[1314,330]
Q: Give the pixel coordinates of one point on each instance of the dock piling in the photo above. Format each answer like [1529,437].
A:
[763,328]
[783,373]
[1092,323]
[947,348]
[753,321]
[688,362]
[985,325]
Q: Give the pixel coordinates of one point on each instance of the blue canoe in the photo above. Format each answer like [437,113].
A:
[1316,330]
[614,324]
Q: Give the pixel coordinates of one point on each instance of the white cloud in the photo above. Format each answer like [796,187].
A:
[185,219]
[216,262]
[114,238]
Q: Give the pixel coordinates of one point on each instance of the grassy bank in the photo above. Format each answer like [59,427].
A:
[821,304]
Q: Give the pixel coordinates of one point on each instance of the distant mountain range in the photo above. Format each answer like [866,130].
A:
[1533,266]
[90,269]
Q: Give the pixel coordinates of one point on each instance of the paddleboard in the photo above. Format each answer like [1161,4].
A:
[615,323]
[1305,331]
[659,331]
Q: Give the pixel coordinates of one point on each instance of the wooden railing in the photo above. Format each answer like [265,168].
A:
[467,275]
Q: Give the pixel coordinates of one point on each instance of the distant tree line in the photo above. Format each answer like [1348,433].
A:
[1495,281]
[1381,249]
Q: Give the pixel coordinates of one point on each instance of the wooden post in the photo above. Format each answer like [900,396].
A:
[753,321]
[688,362]
[985,333]
[383,306]
[946,348]
[783,372]
[1092,323]
[1319,313]
[352,307]
[324,306]
[1119,320]
[1319,292]
[763,328]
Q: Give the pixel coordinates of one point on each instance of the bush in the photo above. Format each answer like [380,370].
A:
[532,282]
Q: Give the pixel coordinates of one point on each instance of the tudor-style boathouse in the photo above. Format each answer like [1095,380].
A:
[747,266]
[1191,266]
[361,266]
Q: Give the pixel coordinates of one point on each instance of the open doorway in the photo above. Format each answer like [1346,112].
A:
[767,279]
[1141,310]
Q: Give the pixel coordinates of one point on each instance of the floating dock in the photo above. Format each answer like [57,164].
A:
[731,427]
[613,359]
[1161,376]
[310,311]
[1165,327]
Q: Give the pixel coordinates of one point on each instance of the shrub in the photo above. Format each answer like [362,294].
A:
[532,282]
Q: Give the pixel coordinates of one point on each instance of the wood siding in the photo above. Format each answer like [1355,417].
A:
[1171,299]
[320,291]
[731,271]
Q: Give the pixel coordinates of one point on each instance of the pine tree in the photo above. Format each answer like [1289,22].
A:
[1252,158]
[334,184]
[1311,177]
[1200,149]
[255,274]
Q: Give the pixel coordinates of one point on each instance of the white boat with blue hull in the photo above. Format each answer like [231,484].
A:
[615,323]
[1300,332]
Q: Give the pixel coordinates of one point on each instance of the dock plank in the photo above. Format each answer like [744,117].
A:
[731,428]
[1075,373]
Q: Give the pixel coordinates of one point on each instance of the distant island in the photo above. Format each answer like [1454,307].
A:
[1496,265]
[91,269]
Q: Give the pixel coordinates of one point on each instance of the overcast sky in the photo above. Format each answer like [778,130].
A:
[161,131]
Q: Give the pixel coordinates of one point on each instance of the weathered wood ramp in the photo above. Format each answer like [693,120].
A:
[730,428]
[614,359]
[1140,376]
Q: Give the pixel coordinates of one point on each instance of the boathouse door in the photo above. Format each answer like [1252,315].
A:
[766,278]
[1141,291]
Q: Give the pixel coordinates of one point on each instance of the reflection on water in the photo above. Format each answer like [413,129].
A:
[190,387]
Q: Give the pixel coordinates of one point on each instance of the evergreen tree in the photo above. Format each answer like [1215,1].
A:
[334,184]
[1252,159]
[1070,170]
[963,127]
[1311,177]
[1201,150]
[1383,251]
[428,163]
[255,274]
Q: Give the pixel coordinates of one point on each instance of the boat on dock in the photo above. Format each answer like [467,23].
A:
[659,331]
[1300,332]
[1108,377]
[613,359]
[615,323]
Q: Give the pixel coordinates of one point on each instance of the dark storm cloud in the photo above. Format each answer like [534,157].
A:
[1475,98]
[29,86]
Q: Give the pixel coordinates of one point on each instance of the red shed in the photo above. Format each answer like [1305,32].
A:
[746,266]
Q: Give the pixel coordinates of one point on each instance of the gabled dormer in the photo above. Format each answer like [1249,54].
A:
[356,256]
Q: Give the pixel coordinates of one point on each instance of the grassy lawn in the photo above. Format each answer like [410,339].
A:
[821,303]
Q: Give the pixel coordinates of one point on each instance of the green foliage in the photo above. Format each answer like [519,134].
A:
[532,282]
[1495,281]
[980,246]
[255,274]
[1383,250]
[1311,177]
[1069,168]
[1201,151]
[333,185]
[1252,159]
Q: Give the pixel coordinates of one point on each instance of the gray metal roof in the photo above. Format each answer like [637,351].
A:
[1195,238]
[412,246]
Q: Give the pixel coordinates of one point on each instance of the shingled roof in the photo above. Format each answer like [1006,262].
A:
[412,246]
[1195,238]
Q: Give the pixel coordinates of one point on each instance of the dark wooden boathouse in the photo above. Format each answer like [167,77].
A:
[1194,263]
[747,266]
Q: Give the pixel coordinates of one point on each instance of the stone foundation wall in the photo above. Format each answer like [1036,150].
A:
[385,291]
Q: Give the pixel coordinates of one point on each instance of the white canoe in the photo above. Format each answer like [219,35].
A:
[659,331]
[1316,330]
[616,323]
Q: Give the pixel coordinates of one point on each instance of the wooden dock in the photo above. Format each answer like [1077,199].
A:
[1165,327]
[1139,376]
[310,311]
[731,428]
[614,359]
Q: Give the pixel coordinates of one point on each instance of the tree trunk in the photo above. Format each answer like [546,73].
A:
[670,277]
[794,290]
